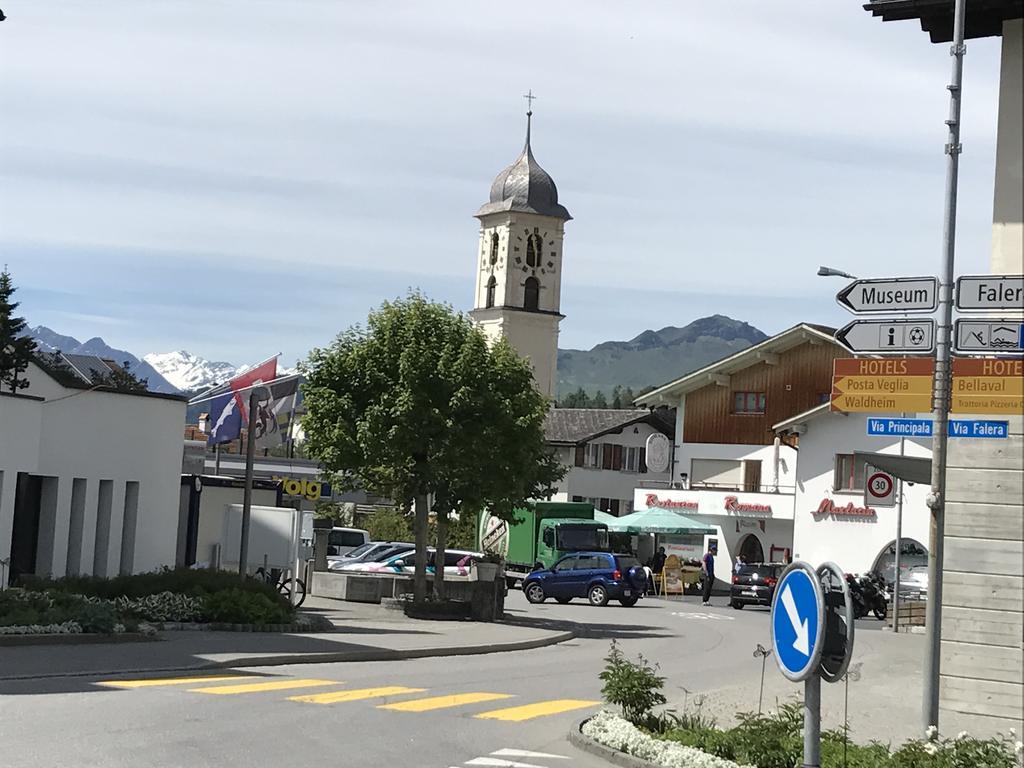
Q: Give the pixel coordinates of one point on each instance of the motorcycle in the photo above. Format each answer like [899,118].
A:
[869,593]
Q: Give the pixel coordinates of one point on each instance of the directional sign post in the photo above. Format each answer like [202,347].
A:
[884,337]
[972,428]
[891,294]
[798,623]
[987,385]
[896,385]
[989,336]
[990,292]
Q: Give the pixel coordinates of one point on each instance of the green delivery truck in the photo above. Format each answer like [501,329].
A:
[541,533]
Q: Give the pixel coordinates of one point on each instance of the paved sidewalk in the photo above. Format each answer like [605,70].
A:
[361,633]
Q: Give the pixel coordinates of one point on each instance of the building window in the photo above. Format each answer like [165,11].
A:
[824,397]
[631,462]
[494,248]
[748,402]
[613,507]
[531,294]
[592,456]
[849,473]
[492,284]
[577,498]
[534,250]
[627,507]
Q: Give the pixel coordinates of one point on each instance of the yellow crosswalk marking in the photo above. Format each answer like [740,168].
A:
[170,681]
[273,685]
[444,702]
[358,694]
[540,709]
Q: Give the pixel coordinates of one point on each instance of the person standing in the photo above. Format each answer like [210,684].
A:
[708,566]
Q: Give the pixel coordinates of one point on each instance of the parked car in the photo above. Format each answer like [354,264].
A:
[456,563]
[372,552]
[341,541]
[754,584]
[596,576]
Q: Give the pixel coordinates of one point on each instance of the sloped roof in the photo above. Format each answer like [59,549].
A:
[780,342]
[984,17]
[578,425]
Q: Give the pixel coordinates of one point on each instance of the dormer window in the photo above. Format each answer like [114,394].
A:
[531,294]
[491,286]
[494,248]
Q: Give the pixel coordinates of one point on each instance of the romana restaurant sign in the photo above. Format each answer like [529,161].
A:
[654,501]
[828,508]
[736,507]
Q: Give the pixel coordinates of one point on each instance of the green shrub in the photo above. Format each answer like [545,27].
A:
[635,688]
[24,608]
[195,582]
[238,606]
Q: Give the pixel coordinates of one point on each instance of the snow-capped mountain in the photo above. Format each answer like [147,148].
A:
[189,372]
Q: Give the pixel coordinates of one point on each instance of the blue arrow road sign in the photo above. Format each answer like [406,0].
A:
[797,611]
[975,428]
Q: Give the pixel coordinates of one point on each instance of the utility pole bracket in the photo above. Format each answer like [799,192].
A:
[954,149]
[958,50]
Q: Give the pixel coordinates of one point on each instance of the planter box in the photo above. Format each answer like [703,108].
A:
[488,571]
[350,587]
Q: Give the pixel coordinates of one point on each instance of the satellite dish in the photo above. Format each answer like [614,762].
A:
[657,452]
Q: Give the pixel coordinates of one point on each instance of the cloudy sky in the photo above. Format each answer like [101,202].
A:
[243,178]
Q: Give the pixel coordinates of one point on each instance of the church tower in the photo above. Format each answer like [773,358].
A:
[519,264]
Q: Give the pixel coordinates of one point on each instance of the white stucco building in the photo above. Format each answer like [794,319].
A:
[89,477]
[831,522]
[519,264]
[604,451]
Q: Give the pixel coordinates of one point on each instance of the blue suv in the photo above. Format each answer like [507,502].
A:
[597,576]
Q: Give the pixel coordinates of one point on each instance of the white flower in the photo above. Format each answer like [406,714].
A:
[930,748]
[1019,747]
[1013,732]
[931,732]
[961,736]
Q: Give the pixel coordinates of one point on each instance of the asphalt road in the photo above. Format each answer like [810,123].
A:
[491,710]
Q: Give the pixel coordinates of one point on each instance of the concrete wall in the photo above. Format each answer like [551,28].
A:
[853,542]
[1008,197]
[983,572]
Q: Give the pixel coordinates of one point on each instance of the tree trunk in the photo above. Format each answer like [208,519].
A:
[419,582]
[440,590]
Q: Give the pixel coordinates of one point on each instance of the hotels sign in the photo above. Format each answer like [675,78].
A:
[894,385]
[987,385]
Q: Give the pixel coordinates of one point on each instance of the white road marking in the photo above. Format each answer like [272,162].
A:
[703,616]
[526,753]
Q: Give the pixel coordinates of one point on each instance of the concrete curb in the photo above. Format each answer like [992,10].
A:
[74,638]
[613,756]
[378,654]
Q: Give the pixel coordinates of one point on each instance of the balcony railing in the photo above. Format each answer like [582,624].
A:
[785,490]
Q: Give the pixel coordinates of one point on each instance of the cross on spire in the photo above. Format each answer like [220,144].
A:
[529,100]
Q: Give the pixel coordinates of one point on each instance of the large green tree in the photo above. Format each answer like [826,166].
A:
[417,407]
[15,347]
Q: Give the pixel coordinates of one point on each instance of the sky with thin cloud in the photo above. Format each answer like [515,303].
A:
[243,178]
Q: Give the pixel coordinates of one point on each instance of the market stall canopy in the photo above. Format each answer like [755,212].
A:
[658,521]
[604,517]
[910,469]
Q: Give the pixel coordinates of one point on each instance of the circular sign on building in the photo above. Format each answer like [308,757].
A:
[658,448]
[798,622]
[839,623]
[494,536]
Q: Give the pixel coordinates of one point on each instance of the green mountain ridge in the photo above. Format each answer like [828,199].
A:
[653,357]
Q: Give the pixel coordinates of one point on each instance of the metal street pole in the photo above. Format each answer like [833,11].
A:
[937,497]
[250,454]
[812,721]
[899,544]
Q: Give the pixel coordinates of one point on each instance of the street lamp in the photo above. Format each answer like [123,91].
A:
[830,272]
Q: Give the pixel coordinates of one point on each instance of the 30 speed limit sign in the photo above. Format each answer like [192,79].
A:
[879,488]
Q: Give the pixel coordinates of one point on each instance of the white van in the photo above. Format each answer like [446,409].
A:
[340,541]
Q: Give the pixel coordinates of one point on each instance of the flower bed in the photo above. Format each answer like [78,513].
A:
[108,606]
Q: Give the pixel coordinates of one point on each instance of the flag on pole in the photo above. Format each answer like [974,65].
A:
[230,410]
[273,419]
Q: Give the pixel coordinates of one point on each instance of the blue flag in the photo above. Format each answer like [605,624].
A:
[225,419]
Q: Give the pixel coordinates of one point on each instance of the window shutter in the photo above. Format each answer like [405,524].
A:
[615,507]
[607,454]
[643,461]
[581,451]
[617,458]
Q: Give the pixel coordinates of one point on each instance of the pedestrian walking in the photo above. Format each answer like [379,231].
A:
[708,567]
[658,561]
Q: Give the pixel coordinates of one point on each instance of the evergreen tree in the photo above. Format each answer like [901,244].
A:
[617,397]
[15,348]
[599,400]
[122,379]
